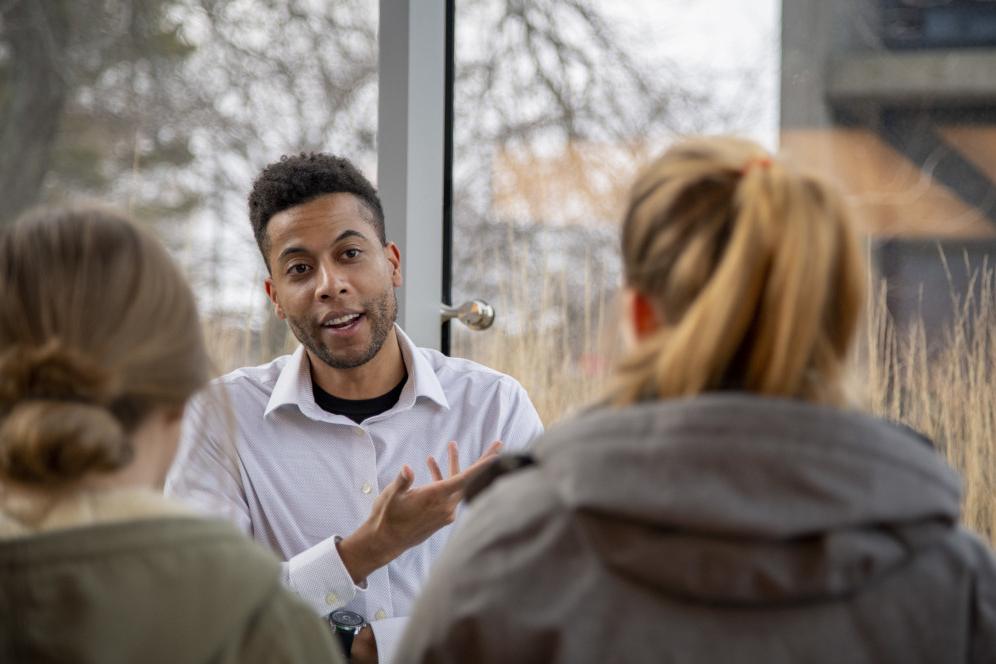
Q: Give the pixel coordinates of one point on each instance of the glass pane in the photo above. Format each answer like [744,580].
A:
[557,104]
[889,99]
[556,107]
[169,108]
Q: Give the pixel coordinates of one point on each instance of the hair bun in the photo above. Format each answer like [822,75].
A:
[56,426]
[60,441]
[53,372]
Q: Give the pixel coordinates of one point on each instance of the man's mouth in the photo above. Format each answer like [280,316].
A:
[342,322]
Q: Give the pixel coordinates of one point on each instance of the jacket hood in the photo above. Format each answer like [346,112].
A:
[738,499]
[164,589]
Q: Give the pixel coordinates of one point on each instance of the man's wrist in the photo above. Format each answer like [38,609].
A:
[363,649]
[361,555]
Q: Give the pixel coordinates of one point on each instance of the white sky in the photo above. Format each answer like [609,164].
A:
[736,43]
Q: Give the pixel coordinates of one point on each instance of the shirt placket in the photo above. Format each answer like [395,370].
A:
[378,595]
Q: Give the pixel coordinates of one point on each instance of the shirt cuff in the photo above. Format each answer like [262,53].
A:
[387,634]
[320,578]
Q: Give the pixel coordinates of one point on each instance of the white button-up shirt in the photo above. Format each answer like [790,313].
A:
[257,449]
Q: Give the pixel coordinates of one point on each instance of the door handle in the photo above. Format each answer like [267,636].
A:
[475,314]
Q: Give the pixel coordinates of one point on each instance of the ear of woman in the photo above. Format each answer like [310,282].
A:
[641,315]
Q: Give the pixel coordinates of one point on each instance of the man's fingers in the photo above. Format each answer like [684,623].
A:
[455,482]
[448,486]
[454,454]
[490,455]
[493,449]
[400,484]
[434,471]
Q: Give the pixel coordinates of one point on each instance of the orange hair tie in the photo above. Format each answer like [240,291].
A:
[759,162]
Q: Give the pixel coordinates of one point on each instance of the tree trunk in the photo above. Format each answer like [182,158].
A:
[36,33]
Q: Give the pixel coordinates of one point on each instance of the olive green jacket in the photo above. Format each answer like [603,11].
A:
[165,587]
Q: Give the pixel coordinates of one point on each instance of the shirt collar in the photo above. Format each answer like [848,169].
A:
[293,386]
[421,374]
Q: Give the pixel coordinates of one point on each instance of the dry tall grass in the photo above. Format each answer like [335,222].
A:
[944,385]
[946,390]
[563,366]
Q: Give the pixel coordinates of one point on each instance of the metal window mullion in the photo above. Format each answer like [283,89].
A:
[411,154]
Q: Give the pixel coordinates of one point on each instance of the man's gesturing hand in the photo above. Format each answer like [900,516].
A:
[403,517]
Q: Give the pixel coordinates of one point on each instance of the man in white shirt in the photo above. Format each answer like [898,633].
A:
[329,457]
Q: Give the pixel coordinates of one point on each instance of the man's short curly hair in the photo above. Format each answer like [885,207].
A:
[294,180]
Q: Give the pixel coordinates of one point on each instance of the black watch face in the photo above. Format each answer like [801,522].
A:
[346,618]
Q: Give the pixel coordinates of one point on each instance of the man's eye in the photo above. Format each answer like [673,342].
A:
[352,253]
[298,268]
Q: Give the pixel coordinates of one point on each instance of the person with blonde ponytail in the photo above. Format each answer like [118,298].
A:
[100,349]
[726,502]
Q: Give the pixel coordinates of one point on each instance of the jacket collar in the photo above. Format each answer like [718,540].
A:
[734,464]
[23,514]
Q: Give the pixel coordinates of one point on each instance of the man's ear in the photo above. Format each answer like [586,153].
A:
[271,292]
[641,314]
[393,256]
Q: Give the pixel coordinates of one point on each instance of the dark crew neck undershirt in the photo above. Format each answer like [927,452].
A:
[358,409]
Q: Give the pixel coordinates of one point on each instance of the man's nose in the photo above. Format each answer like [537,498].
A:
[330,283]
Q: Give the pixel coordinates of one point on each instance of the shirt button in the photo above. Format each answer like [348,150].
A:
[331,599]
[359,432]
[366,488]
[380,615]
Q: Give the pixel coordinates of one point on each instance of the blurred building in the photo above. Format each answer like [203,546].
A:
[896,101]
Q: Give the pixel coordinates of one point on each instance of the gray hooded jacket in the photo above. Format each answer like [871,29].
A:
[725,528]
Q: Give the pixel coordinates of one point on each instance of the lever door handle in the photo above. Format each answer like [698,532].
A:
[475,314]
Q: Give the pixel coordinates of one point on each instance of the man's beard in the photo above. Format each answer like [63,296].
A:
[380,313]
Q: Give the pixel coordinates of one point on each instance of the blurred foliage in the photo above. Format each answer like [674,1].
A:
[104,70]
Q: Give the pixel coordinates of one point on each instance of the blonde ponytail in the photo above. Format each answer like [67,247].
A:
[755,270]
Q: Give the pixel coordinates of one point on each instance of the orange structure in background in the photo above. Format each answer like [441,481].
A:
[890,194]
[585,183]
[580,183]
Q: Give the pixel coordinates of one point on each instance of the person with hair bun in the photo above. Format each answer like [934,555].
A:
[725,503]
[100,349]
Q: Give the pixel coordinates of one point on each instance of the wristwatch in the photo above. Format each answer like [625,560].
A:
[346,625]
